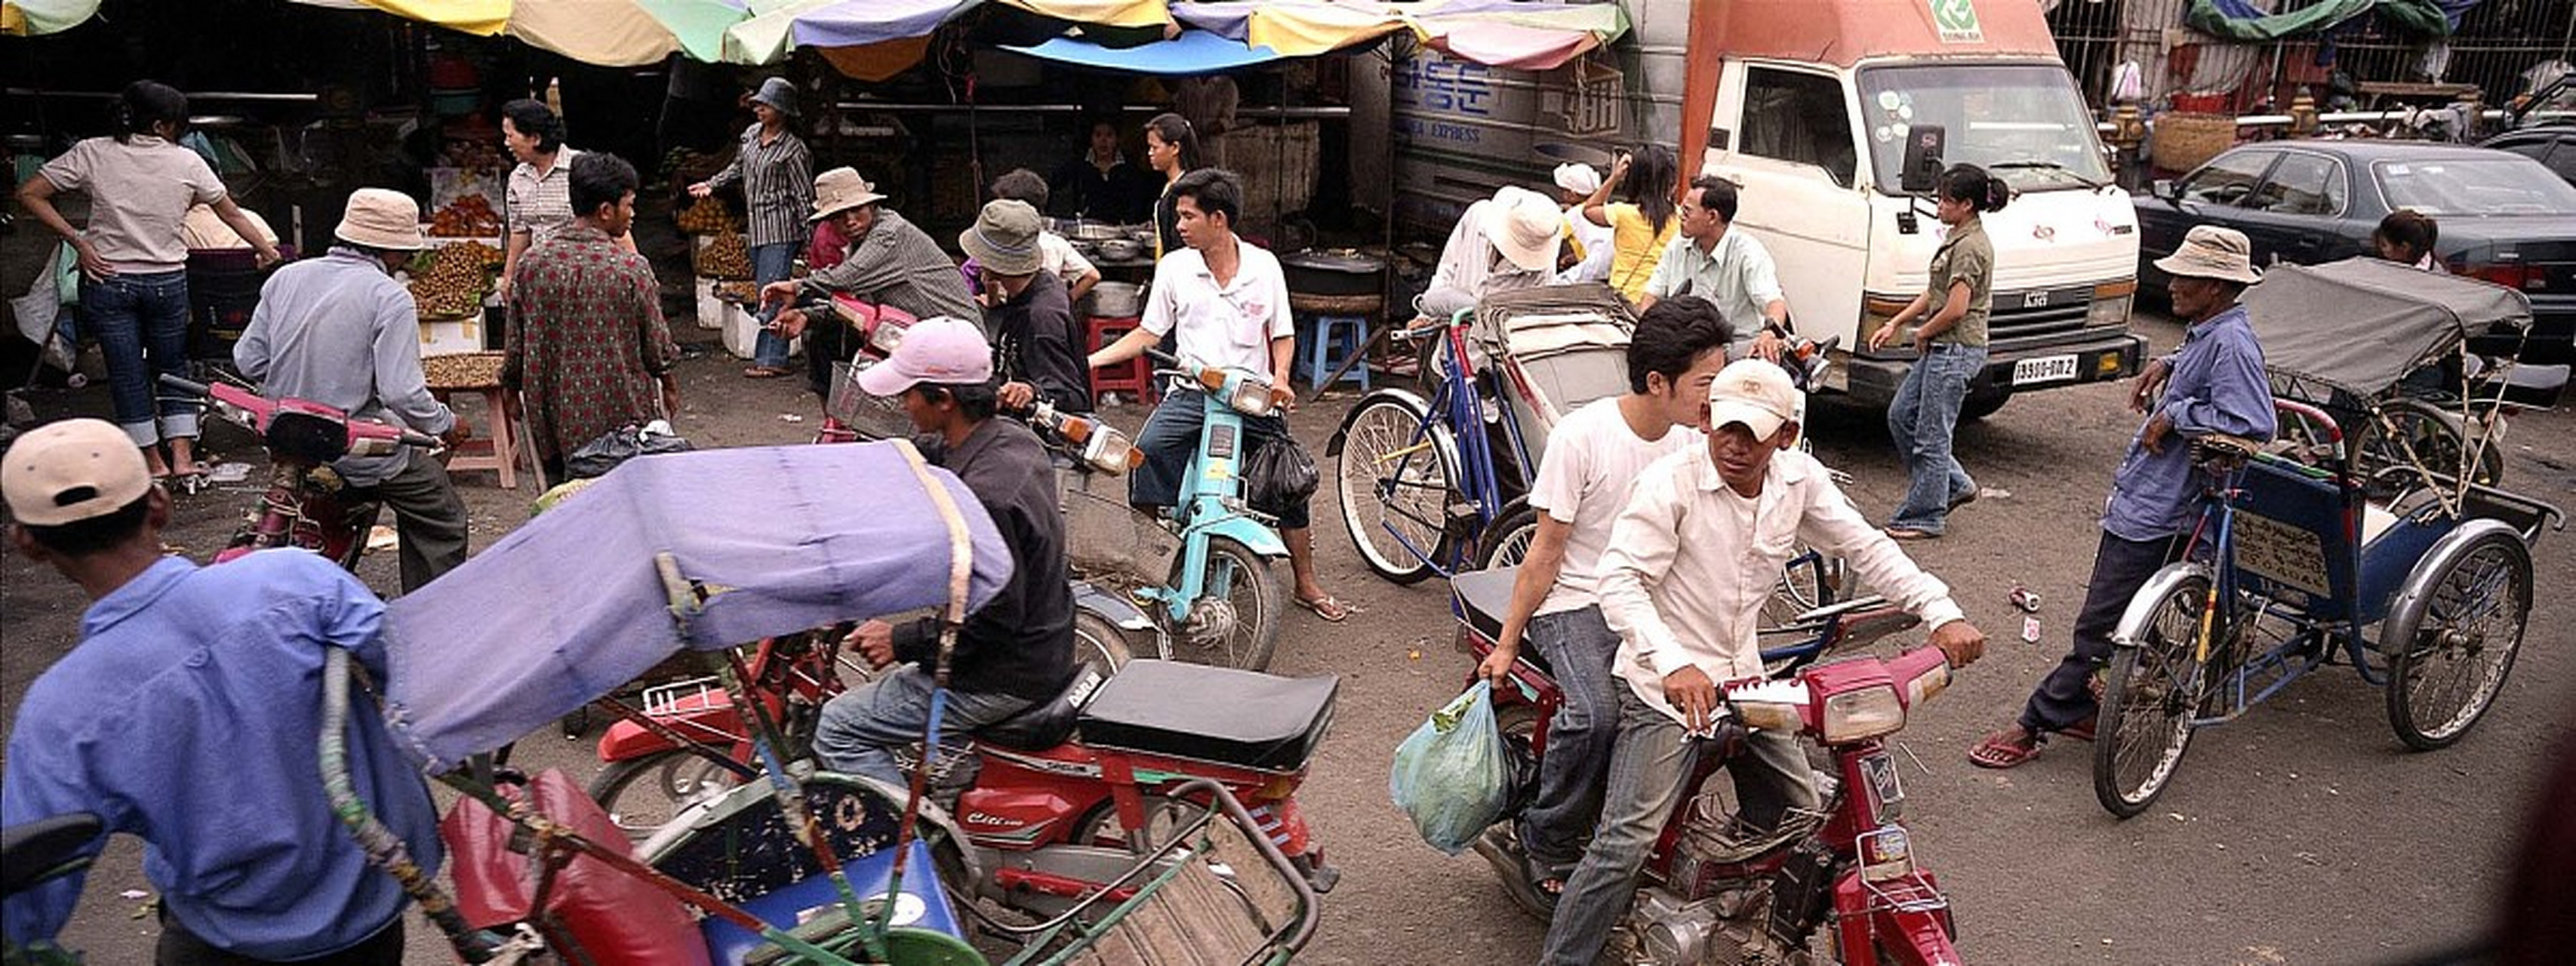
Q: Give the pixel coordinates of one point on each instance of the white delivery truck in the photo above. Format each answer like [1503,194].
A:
[1810,106]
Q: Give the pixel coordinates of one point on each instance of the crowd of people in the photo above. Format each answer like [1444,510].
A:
[1666,512]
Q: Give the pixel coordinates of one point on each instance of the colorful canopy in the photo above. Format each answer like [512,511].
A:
[1193,52]
[1527,36]
[1293,28]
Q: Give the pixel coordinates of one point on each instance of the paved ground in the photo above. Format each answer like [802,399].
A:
[2300,835]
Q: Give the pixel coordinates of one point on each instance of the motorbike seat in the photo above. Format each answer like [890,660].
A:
[1047,723]
[1483,597]
[1221,715]
[32,852]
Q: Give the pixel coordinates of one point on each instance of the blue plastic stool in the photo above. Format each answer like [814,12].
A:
[1327,341]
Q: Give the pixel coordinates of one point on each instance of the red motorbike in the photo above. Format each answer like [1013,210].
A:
[307,504]
[850,414]
[1718,892]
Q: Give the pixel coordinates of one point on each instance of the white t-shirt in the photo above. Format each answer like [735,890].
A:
[139,194]
[1057,255]
[1229,326]
[1583,479]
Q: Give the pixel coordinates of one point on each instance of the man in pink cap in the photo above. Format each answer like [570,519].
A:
[1017,650]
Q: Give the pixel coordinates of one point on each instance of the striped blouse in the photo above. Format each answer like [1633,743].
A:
[540,204]
[777,184]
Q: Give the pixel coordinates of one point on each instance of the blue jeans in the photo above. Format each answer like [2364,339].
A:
[771,263]
[1579,648]
[1170,440]
[1650,761]
[1920,420]
[141,322]
[860,730]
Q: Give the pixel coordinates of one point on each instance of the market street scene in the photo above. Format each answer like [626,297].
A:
[1640,482]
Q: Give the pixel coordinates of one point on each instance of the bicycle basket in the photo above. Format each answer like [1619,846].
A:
[872,417]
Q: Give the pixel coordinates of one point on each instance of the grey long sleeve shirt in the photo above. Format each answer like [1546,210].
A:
[338,330]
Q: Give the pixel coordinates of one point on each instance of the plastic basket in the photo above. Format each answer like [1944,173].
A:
[2185,140]
[872,417]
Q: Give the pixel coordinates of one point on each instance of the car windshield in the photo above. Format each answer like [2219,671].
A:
[2501,185]
[2024,122]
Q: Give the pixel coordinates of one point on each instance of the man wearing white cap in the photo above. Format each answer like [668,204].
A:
[1501,244]
[1594,244]
[338,330]
[189,716]
[2214,383]
[1018,649]
[1690,562]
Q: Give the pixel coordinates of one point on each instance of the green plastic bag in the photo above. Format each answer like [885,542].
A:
[1450,775]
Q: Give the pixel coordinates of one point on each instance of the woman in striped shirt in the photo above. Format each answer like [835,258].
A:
[776,172]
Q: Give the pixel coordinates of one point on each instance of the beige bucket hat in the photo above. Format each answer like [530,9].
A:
[839,190]
[2209,251]
[382,218]
[1005,238]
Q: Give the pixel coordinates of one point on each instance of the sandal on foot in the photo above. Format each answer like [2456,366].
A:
[1528,885]
[764,372]
[1329,607]
[2080,731]
[1909,533]
[2008,748]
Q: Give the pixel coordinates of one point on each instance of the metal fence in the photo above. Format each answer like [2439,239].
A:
[2497,41]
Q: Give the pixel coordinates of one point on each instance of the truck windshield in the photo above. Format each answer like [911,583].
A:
[2024,122]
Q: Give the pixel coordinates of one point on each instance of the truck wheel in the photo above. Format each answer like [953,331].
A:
[1983,403]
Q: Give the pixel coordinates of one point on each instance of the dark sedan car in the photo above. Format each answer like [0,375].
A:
[2550,144]
[2504,217]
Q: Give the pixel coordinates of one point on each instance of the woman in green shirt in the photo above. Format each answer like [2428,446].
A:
[1950,348]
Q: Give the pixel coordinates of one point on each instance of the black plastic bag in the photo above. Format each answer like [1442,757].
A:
[597,457]
[1279,475]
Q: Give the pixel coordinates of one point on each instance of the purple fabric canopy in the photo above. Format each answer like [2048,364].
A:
[859,22]
[571,605]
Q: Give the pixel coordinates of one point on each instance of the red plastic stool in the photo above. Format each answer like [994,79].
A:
[1134,377]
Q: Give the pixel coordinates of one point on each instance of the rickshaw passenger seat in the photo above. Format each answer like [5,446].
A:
[1047,723]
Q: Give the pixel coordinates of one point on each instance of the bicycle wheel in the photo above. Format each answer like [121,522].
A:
[1398,474]
[1507,541]
[2433,437]
[1099,644]
[2148,700]
[643,794]
[2451,647]
[1235,622]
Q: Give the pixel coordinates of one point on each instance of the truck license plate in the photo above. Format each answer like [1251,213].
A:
[2043,369]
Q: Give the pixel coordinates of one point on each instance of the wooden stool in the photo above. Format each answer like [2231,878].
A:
[1135,376]
[497,449]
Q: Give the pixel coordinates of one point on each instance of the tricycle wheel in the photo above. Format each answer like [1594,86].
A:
[2451,640]
[642,794]
[1397,474]
[2148,700]
[1507,541]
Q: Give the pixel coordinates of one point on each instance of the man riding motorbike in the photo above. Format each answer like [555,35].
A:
[889,262]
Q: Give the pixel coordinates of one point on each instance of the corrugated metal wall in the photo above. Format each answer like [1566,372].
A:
[2496,43]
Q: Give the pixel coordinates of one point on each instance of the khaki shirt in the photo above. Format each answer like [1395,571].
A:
[1967,255]
[139,194]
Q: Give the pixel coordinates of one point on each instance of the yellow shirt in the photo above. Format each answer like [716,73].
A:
[1638,247]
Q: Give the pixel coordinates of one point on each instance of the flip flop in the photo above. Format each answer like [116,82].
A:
[763,372]
[1331,608]
[2008,748]
[1909,533]
[2081,730]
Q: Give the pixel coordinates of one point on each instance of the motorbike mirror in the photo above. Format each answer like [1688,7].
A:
[1922,171]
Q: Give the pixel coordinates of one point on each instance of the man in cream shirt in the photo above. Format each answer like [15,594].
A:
[1690,562]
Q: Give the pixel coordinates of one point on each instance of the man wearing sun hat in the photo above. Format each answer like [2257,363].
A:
[189,715]
[2213,383]
[1018,649]
[338,330]
[1690,562]
[1031,320]
[889,262]
[1503,243]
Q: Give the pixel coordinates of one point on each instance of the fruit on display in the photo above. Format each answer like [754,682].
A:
[449,281]
[743,292]
[707,217]
[725,255]
[469,216]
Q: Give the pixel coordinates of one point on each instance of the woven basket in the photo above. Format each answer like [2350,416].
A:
[462,370]
[1360,305]
[2185,140]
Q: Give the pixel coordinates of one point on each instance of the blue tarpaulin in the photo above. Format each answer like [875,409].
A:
[1193,52]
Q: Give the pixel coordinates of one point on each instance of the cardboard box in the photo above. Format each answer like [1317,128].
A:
[455,335]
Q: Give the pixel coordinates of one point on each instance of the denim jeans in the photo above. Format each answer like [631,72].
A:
[2120,567]
[1579,648]
[1651,759]
[860,730]
[1920,420]
[1171,438]
[771,263]
[141,322]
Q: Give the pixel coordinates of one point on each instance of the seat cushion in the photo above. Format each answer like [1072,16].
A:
[1047,723]
[1213,714]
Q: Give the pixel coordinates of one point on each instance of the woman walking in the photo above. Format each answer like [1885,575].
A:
[133,261]
[1642,226]
[1172,150]
[777,177]
[1951,350]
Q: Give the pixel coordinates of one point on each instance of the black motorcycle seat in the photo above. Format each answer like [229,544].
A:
[1483,597]
[1047,723]
[1214,714]
[31,852]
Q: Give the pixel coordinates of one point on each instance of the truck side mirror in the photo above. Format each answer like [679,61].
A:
[1922,173]
[2165,188]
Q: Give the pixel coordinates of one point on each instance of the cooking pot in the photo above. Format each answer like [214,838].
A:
[1120,249]
[1339,271]
[1115,300]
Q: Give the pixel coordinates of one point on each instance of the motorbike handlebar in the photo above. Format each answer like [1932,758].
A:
[189,386]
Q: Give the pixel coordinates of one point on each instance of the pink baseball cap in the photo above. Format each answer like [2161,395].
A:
[939,349]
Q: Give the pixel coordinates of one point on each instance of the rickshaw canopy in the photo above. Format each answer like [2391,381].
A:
[573,605]
[2362,324]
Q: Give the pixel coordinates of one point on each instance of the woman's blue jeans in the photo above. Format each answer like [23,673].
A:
[141,323]
[1921,420]
[771,263]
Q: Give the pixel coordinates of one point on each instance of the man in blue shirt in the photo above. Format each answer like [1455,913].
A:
[189,716]
[2215,383]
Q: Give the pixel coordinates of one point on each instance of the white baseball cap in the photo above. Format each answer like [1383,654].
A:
[72,470]
[940,350]
[1755,392]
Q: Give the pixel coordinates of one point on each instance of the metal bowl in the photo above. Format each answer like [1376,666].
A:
[1121,250]
[1092,231]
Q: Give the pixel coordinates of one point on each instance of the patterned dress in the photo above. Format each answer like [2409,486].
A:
[587,345]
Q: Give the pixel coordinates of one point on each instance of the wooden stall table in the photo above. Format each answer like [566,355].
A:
[498,448]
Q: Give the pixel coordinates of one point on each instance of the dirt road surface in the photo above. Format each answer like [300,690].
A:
[2301,834]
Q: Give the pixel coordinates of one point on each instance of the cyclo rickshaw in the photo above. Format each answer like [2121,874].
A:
[800,866]
[2350,537]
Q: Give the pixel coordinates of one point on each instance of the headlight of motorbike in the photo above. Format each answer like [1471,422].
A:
[1109,451]
[1251,397]
[1863,713]
[886,337]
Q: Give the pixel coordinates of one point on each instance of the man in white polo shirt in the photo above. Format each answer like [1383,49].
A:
[1225,301]
[1690,562]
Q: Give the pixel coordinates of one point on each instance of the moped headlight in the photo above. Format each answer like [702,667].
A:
[1863,713]
[886,337]
[1109,451]
[1251,397]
